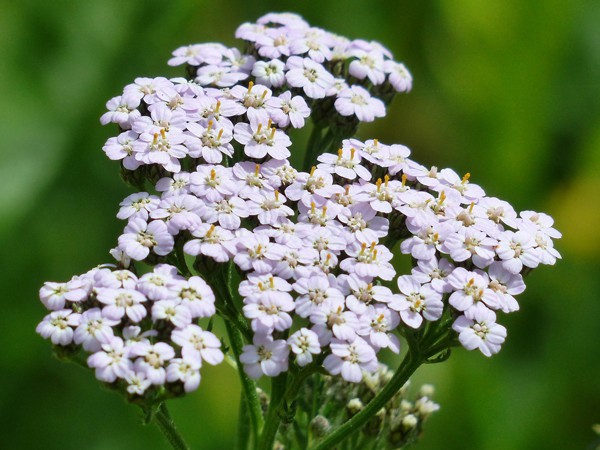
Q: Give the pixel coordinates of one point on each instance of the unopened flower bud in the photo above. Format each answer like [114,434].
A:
[263,399]
[406,406]
[409,422]
[425,406]
[427,390]
[320,426]
[354,406]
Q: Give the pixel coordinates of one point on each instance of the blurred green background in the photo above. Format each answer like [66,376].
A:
[507,90]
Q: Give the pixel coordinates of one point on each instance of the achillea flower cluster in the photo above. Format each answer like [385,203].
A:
[299,260]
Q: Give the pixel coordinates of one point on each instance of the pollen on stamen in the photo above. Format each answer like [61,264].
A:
[273,132]
[374,254]
[276,196]
[272,282]
[471,282]
[220,133]
[363,247]
[259,128]
[378,184]
[218,106]
[352,153]
[442,197]
[373,244]
[264,94]
[210,231]
[250,86]
[375,142]
[404,180]
[340,151]
[387,180]
[312,207]
[256,169]
[312,170]
[162,133]
[347,189]
[466,178]
[210,124]
[155,140]
[213,174]
[324,211]
[471,207]
[269,123]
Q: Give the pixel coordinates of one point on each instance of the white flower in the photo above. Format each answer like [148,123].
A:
[121,302]
[58,326]
[260,139]
[416,302]
[171,311]
[289,110]
[470,288]
[350,359]
[55,295]
[265,356]
[112,361]
[357,101]
[269,73]
[309,75]
[151,359]
[140,237]
[377,325]
[185,370]
[304,343]
[137,383]
[94,329]
[346,164]
[270,313]
[398,76]
[517,250]
[198,344]
[478,329]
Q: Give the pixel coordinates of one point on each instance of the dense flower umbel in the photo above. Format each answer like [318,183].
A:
[312,247]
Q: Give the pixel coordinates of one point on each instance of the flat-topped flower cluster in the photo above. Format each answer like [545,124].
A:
[313,248]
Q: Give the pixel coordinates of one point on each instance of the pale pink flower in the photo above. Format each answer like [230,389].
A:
[58,326]
[304,343]
[265,356]
[478,329]
[357,101]
[350,359]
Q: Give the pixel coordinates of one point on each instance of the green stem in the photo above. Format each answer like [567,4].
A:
[313,142]
[278,390]
[167,426]
[243,436]
[410,363]
[248,386]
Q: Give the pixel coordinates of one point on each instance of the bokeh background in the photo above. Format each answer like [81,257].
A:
[507,90]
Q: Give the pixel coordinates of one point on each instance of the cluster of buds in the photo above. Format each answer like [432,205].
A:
[308,250]
[398,424]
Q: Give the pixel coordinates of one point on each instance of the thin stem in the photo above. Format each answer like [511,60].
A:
[278,389]
[410,363]
[313,142]
[248,385]
[243,435]
[167,426]
[298,381]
